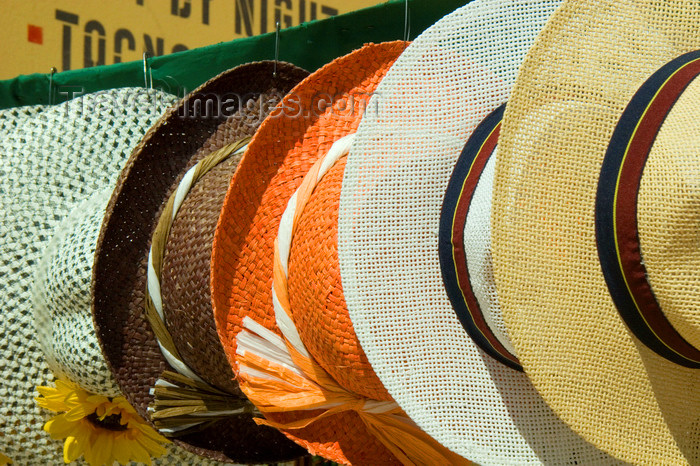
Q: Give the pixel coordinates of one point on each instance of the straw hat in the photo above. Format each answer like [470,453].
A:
[568,196]
[396,177]
[129,316]
[61,299]
[316,331]
[54,160]
[63,316]
[280,154]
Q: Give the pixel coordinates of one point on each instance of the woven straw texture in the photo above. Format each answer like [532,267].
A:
[444,84]
[277,159]
[63,315]
[573,87]
[185,279]
[477,249]
[55,158]
[316,292]
[62,310]
[152,173]
[668,216]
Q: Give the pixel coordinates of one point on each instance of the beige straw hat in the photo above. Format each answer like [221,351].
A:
[595,238]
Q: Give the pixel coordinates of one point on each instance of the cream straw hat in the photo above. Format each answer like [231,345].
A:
[595,224]
[429,104]
[54,159]
[63,316]
[61,299]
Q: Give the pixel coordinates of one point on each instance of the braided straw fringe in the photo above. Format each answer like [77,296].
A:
[184,402]
[279,375]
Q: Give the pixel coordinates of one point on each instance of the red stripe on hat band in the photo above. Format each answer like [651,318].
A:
[459,255]
[626,193]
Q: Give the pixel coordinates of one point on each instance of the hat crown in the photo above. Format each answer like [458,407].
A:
[464,247]
[61,299]
[316,293]
[477,246]
[669,215]
[646,212]
[185,281]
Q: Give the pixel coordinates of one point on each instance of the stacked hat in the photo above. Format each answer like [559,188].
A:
[151,299]
[66,333]
[61,294]
[286,377]
[595,224]
[447,87]
[56,158]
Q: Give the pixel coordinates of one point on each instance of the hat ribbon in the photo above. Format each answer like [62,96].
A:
[279,375]
[458,201]
[183,400]
[617,233]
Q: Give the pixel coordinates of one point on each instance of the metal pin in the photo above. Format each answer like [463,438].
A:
[277,48]
[53,71]
[147,73]
[406,22]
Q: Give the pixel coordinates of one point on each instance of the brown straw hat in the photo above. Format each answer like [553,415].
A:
[211,121]
[595,224]
[278,157]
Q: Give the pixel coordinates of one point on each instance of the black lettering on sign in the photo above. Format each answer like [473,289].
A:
[183,11]
[120,36]
[302,11]
[244,17]
[285,20]
[148,45]
[263,16]
[69,18]
[205,11]
[329,11]
[325,10]
[179,48]
[139,2]
[90,28]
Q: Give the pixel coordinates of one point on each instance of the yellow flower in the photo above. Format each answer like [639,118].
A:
[101,429]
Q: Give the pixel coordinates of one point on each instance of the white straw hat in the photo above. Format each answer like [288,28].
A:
[54,159]
[595,224]
[62,305]
[436,94]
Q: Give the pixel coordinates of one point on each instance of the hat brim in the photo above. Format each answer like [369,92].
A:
[278,157]
[573,87]
[172,146]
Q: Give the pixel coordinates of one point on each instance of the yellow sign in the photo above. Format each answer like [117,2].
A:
[70,34]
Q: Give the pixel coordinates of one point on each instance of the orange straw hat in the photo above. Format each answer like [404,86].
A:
[151,294]
[284,150]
